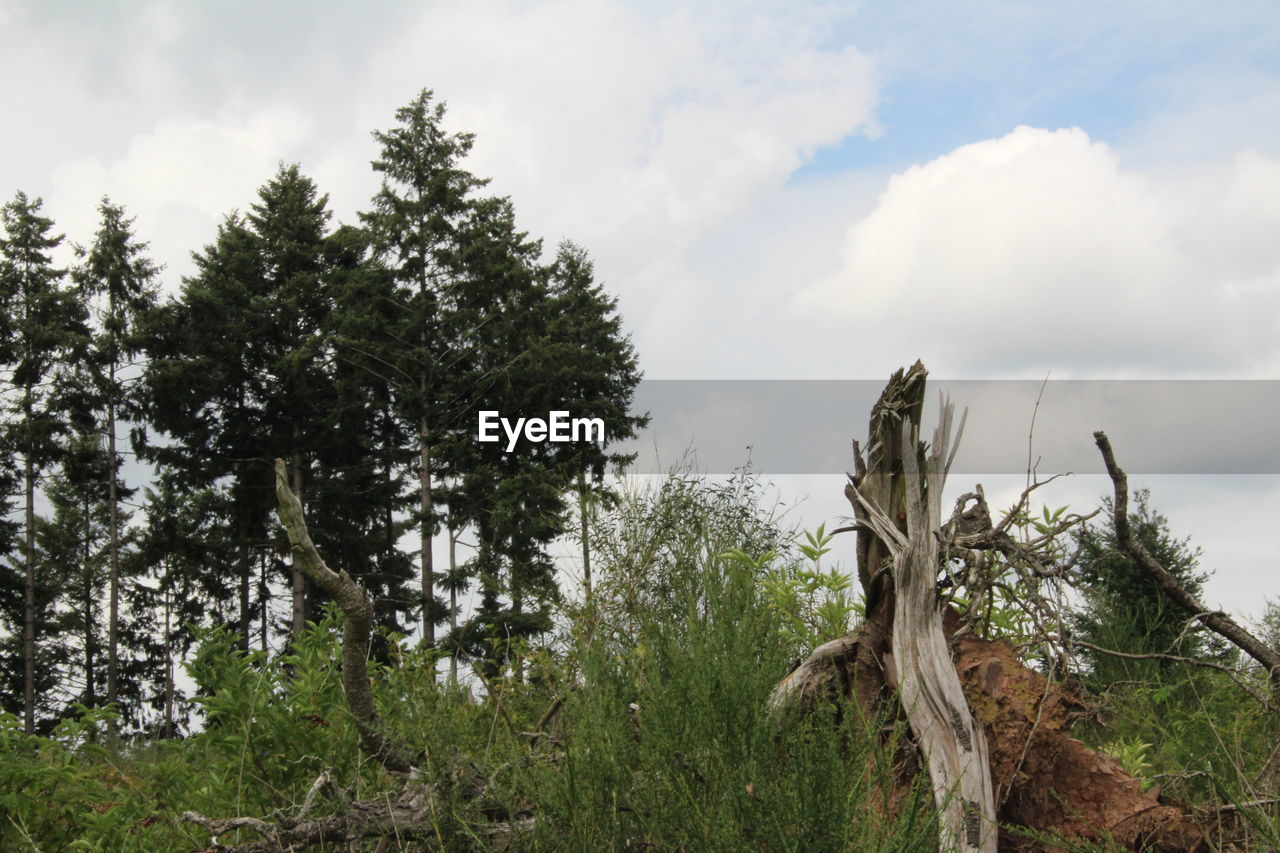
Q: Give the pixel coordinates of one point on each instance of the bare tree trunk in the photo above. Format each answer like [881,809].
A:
[453,603]
[426,532]
[955,750]
[586,542]
[245,577]
[29,606]
[355,634]
[113,612]
[168,665]
[264,604]
[1048,781]
[86,591]
[298,581]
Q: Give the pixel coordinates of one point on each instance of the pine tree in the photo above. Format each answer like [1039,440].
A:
[1124,609]
[597,371]
[119,281]
[413,223]
[45,324]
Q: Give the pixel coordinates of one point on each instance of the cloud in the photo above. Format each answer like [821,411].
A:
[1038,250]
[635,131]
[179,180]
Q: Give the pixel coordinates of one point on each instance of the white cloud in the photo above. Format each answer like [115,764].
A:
[179,179]
[1037,250]
[633,132]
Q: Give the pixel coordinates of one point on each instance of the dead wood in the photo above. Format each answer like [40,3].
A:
[356,632]
[897,496]
[1215,620]
[914,655]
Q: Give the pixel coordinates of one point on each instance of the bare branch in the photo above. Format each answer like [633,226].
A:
[1207,664]
[355,634]
[1218,622]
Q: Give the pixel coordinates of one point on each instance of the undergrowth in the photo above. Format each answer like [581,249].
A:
[639,724]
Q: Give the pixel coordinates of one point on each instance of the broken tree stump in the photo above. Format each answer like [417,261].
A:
[992,733]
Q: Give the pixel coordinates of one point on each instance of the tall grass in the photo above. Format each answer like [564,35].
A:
[667,741]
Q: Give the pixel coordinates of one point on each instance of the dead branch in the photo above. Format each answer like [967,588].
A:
[1216,621]
[365,819]
[409,815]
[355,634]
[1233,674]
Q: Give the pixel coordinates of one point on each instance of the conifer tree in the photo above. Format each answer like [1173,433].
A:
[596,370]
[118,281]
[425,193]
[204,385]
[1124,608]
[244,369]
[73,539]
[45,325]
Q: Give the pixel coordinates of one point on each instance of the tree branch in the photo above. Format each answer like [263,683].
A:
[355,634]
[1218,622]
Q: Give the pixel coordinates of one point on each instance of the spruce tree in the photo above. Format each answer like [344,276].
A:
[246,368]
[424,195]
[596,370]
[290,225]
[45,326]
[204,385]
[371,450]
[1123,607]
[119,282]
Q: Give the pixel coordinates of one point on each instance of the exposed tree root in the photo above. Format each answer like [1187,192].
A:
[1046,782]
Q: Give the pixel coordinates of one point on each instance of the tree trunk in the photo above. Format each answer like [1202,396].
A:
[168,666]
[955,751]
[264,604]
[426,532]
[86,591]
[113,612]
[453,603]
[1014,761]
[586,542]
[298,581]
[245,574]
[29,605]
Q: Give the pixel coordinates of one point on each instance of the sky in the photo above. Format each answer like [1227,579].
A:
[773,190]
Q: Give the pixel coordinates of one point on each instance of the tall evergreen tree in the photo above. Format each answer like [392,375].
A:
[72,539]
[204,385]
[596,370]
[371,450]
[415,214]
[45,325]
[245,370]
[290,224]
[179,534]
[118,281]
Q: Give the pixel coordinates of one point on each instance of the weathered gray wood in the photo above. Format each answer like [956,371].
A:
[356,633]
[896,492]
[955,749]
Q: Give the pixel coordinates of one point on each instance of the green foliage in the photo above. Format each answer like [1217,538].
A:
[815,606]
[669,743]
[1124,608]
[1190,729]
